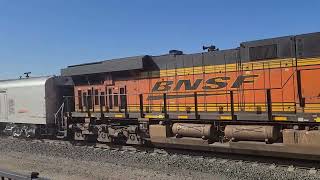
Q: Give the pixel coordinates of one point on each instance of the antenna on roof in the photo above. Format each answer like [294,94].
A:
[27,74]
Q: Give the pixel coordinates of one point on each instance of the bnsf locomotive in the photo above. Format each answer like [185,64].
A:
[260,98]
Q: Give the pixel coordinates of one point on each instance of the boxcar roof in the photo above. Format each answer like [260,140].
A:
[32,81]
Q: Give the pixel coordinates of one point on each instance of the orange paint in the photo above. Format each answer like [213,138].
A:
[249,88]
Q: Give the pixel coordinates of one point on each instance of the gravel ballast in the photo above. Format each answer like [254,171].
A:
[66,161]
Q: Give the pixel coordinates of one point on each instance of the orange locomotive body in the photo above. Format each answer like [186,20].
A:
[264,90]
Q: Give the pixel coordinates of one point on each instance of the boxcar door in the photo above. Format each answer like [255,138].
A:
[3,105]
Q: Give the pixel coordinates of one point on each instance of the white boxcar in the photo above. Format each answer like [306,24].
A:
[32,100]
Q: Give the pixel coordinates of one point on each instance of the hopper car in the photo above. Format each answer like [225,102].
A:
[28,105]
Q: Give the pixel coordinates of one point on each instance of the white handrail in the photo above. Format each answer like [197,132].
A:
[60,110]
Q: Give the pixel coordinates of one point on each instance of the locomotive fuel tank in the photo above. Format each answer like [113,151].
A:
[252,133]
[205,131]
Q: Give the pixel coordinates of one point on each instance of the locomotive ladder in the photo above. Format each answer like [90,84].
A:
[60,120]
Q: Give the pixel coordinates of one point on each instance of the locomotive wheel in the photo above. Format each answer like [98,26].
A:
[103,137]
[30,132]
[17,132]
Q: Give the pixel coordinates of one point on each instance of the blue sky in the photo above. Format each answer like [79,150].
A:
[44,36]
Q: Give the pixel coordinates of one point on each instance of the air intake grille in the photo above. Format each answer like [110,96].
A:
[263,52]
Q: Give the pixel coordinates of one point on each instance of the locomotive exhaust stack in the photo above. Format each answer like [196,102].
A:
[210,48]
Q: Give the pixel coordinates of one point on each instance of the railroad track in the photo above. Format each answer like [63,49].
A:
[290,165]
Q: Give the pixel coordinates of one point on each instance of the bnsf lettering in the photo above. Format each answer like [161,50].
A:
[216,83]
[243,79]
[162,86]
[187,84]
[212,83]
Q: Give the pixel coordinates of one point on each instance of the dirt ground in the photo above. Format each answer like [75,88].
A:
[63,160]
[67,169]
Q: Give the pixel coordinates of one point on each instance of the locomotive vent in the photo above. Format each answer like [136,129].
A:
[175,52]
[210,48]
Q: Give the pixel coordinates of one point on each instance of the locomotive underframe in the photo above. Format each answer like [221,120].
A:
[121,130]
[128,127]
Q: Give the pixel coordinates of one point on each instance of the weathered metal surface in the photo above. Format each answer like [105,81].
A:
[252,132]
[159,131]
[242,147]
[23,101]
[30,100]
[193,130]
[301,137]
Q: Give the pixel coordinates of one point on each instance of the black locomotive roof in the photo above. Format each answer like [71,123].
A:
[167,61]
[123,64]
[301,46]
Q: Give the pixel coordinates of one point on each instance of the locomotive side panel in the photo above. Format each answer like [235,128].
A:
[308,52]
[213,89]
[310,91]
